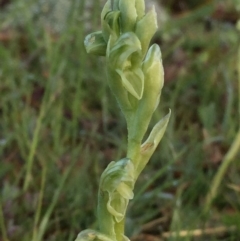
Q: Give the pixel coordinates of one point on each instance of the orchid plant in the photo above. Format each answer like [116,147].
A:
[135,77]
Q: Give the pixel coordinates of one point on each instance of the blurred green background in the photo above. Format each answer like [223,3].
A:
[60,125]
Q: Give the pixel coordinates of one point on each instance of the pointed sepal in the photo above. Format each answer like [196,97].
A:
[128,15]
[110,25]
[140,8]
[133,81]
[92,235]
[149,146]
[146,28]
[95,44]
[123,59]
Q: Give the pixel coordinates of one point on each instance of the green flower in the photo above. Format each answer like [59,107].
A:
[118,181]
[125,58]
[92,235]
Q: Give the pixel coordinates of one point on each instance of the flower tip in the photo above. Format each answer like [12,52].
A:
[153,10]
[156,51]
[95,44]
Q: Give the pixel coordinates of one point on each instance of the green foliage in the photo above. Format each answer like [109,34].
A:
[44,69]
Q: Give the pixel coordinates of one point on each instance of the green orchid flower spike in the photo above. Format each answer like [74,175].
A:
[136,78]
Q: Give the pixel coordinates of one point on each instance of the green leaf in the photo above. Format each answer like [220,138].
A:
[156,135]
[150,145]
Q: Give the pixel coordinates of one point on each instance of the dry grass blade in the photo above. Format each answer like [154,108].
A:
[200,232]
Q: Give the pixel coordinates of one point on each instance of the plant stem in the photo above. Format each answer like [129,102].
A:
[133,151]
[119,229]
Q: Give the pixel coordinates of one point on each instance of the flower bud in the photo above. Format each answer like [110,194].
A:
[153,83]
[153,69]
[95,44]
[128,15]
[140,8]
[146,28]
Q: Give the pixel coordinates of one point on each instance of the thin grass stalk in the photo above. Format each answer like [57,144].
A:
[2,224]
[229,157]
[30,159]
[44,108]
[40,202]
[46,217]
